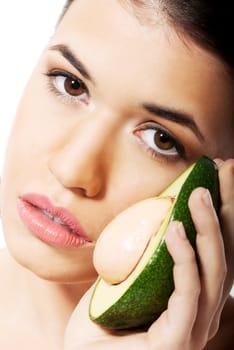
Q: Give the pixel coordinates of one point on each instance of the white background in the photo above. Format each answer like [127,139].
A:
[25,27]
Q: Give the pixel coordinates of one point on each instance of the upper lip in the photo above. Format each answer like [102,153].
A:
[59,214]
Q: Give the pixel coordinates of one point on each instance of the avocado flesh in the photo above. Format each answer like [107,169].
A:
[143,296]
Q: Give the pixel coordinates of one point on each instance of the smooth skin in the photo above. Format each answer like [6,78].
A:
[90,152]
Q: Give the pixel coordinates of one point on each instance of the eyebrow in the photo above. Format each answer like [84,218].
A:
[168,114]
[174,116]
[66,52]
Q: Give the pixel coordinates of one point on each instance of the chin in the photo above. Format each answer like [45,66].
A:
[65,266]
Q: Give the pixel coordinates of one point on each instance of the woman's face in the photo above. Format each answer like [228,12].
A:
[112,113]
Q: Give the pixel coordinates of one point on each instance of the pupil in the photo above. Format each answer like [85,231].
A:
[163,141]
[73,87]
[164,138]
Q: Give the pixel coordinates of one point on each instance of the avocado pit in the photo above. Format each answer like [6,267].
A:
[122,243]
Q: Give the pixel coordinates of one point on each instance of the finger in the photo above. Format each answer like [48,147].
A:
[84,334]
[79,321]
[226,171]
[226,177]
[183,303]
[219,162]
[211,257]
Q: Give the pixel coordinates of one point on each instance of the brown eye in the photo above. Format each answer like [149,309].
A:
[158,141]
[74,87]
[163,141]
[71,88]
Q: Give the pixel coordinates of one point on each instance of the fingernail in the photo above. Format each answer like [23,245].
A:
[219,162]
[180,230]
[207,198]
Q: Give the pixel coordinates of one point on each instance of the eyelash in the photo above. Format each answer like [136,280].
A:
[66,97]
[159,131]
[149,126]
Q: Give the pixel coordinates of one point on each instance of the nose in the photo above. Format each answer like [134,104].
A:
[80,161]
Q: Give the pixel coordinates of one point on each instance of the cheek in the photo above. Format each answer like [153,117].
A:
[145,180]
[30,137]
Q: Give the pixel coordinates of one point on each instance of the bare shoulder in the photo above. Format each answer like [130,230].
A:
[224,337]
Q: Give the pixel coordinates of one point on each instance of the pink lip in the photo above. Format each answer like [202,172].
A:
[53,225]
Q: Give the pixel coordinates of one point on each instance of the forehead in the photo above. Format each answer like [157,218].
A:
[112,23]
[144,61]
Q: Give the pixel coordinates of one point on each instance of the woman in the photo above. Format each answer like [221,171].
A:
[126,92]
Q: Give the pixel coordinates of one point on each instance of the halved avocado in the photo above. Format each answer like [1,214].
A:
[143,296]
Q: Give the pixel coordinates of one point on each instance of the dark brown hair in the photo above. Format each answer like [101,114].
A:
[208,22]
[65,8]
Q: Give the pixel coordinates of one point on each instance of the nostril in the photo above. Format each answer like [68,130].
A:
[88,180]
[93,187]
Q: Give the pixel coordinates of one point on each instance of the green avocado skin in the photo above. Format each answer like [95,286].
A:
[147,297]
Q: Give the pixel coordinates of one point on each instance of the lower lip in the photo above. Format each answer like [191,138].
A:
[46,229]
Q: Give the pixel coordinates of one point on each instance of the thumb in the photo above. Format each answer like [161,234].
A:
[80,329]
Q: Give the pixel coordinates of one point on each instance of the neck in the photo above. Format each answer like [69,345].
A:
[46,305]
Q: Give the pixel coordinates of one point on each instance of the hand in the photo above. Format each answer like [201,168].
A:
[194,307]
[226,215]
